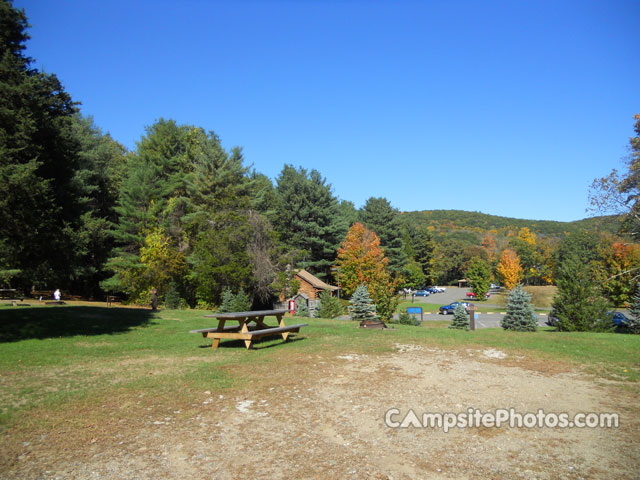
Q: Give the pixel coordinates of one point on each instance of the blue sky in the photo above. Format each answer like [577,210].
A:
[505,107]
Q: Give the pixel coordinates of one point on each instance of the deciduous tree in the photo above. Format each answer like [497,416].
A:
[479,276]
[509,270]
[362,261]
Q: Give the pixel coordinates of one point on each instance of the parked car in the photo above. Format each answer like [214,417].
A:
[421,293]
[619,319]
[495,287]
[432,290]
[448,309]
[440,289]
[473,295]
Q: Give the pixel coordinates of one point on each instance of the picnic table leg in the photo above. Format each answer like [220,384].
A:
[245,328]
[216,341]
[285,335]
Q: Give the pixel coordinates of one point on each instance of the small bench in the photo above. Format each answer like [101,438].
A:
[265,332]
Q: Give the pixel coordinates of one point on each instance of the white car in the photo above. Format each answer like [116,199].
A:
[439,289]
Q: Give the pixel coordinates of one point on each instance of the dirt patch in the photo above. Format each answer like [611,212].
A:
[323,416]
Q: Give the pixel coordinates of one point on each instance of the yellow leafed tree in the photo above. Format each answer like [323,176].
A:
[527,236]
[509,269]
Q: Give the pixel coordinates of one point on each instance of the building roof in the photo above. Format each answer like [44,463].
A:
[315,281]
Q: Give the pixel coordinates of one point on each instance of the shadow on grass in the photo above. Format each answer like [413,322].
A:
[26,323]
[259,344]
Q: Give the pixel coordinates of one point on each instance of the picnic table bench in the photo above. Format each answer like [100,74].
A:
[12,295]
[250,326]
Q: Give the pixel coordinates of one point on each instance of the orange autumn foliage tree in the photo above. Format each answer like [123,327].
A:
[361,260]
[509,269]
[489,244]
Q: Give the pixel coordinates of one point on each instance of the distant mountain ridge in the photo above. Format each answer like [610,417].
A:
[445,222]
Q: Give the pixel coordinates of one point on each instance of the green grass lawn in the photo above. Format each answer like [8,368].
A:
[51,357]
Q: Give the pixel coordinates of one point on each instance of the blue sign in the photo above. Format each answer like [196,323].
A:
[414,310]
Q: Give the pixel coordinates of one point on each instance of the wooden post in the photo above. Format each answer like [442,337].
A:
[472,317]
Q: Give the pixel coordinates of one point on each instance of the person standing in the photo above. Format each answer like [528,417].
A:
[57,295]
[154,299]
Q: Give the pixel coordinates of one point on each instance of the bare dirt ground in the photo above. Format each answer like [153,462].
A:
[323,417]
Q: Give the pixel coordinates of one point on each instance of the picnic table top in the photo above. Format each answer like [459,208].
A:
[255,313]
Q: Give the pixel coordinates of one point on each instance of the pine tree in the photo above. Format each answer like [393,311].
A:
[227,301]
[308,218]
[172,297]
[41,196]
[361,306]
[302,310]
[328,306]
[634,321]
[424,247]
[460,318]
[241,302]
[579,304]
[520,315]
[380,217]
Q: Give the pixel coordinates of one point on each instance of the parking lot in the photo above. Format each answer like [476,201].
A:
[455,294]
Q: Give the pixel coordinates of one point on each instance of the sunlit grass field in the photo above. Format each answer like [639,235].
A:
[51,357]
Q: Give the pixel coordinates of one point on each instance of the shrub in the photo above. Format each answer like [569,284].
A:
[241,302]
[227,301]
[520,315]
[302,310]
[460,318]
[234,303]
[361,306]
[172,297]
[406,319]
[329,306]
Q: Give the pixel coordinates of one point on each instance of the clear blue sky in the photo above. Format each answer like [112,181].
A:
[506,107]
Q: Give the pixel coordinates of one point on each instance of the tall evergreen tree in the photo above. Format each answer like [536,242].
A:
[180,183]
[424,247]
[379,216]
[308,218]
[102,163]
[38,165]
[579,304]
[634,321]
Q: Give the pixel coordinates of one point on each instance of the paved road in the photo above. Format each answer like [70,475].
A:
[484,320]
[455,294]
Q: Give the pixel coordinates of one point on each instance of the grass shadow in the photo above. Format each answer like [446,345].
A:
[259,344]
[68,321]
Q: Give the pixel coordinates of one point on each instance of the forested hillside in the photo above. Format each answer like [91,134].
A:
[475,224]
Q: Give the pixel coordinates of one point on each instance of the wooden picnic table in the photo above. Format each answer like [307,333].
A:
[251,325]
